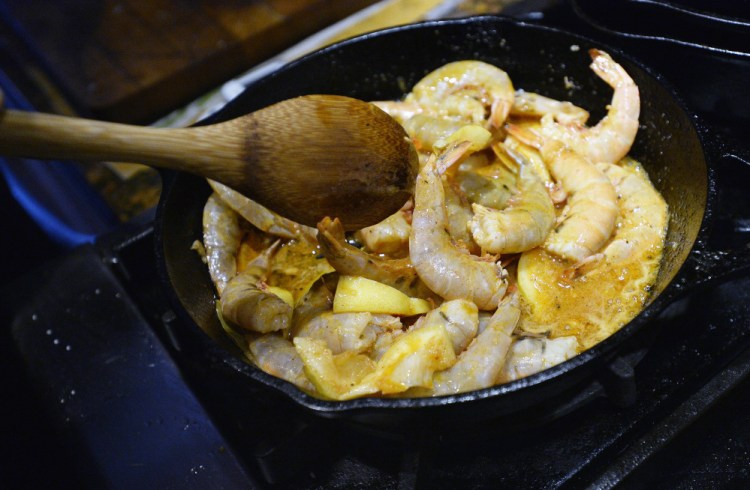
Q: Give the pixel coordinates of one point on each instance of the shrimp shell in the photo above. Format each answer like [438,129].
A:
[400,110]
[536,105]
[610,140]
[390,236]
[531,355]
[221,239]
[356,332]
[642,224]
[480,365]
[317,300]
[341,331]
[351,261]
[458,209]
[445,269]
[248,304]
[524,225]
[259,216]
[491,185]
[465,89]
[426,130]
[460,319]
[592,208]
[278,357]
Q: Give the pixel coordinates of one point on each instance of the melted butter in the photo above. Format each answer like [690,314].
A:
[593,306]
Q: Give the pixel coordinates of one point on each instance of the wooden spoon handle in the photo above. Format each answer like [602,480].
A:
[49,136]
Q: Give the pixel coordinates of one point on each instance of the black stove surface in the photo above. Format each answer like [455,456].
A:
[113,404]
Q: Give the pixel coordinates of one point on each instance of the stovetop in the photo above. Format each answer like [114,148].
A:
[91,334]
[123,409]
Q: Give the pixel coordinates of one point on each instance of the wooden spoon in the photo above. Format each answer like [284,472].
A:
[304,158]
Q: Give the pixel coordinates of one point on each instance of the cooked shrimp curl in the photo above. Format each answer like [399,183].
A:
[480,365]
[611,139]
[522,226]
[591,211]
[467,90]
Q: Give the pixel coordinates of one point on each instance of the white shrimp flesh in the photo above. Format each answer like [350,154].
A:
[278,357]
[446,269]
[355,332]
[460,319]
[390,236]
[530,355]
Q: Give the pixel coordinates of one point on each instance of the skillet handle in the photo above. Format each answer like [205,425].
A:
[722,251]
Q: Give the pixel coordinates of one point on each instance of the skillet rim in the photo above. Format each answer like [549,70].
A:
[602,352]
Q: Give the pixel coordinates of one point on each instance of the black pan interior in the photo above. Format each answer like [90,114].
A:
[384,66]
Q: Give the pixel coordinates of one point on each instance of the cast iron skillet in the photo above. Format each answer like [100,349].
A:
[386,64]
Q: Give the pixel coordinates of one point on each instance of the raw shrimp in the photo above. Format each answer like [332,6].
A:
[530,355]
[317,300]
[248,303]
[278,357]
[612,137]
[355,332]
[535,105]
[460,319]
[351,261]
[591,212]
[443,267]
[221,240]
[524,225]
[259,216]
[458,210]
[466,90]
[390,236]
[482,362]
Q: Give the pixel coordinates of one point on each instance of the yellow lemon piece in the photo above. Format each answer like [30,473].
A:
[284,294]
[357,294]
[412,360]
[334,376]
[296,266]
[474,134]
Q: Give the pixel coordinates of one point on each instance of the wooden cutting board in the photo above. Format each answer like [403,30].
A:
[135,60]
